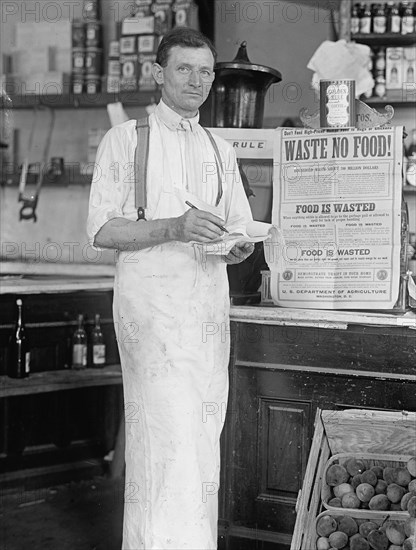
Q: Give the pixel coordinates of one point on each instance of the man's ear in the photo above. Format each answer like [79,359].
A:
[157,72]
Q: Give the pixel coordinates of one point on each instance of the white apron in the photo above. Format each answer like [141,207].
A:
[171,311]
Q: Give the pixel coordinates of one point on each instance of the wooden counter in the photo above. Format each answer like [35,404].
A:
[284,364]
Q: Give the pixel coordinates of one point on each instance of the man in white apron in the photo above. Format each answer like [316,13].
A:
[171,302]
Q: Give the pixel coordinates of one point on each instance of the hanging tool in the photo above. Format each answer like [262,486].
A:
[28,209]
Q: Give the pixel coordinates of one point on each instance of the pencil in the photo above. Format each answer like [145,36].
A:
[193,206]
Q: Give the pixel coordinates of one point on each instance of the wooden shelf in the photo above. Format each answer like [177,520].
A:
[392,98]
[385,39]
[51,381]
[83,101]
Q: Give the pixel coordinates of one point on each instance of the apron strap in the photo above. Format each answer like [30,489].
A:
[218,163]
[140,166]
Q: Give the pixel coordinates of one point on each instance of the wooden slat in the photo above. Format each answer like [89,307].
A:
[309,498]
[371,431]
[50,381]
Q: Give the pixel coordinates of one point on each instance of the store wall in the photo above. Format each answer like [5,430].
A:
[61,211]
[279,34]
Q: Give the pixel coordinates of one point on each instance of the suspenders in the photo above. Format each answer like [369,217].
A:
[141,156]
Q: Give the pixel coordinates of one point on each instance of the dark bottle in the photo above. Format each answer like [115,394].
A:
[394,20]
[379,20]
[355,19]
[365,20]
[98,344]
[79,345]
[19,354]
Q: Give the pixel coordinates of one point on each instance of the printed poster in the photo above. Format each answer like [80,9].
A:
[337,203]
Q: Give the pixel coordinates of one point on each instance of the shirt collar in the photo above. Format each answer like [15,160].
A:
[171,119]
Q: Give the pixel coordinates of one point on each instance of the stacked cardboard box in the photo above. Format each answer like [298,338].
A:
[41,57]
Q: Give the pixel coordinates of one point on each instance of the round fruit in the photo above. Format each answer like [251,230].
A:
[381,487]
[405,501]
[411,507]
[358,542]
[395,492]
[335,502]
[395,532]
[411,466]
[378,540]
[350,500]
[365,492]
[378,470]
[336,475]
[338,539]
[379,502]
[410,527]
[325,526]
[388,475]
[369,477]
[322,544]
[409,544]
[402,476]
[343,489]
[355,466]
[347,525]
[355,481]
[367,527]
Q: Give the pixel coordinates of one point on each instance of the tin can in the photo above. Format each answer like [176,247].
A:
[78,60]
[77,84]
[93,60]
[114,49]
[78,34]
[91,10]
[92,84]
[337,103]
[93,34]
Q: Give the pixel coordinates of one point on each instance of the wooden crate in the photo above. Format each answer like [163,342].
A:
[352,431]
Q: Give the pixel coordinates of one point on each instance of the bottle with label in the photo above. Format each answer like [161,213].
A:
[355,19]
[18,365]
[394,20]
[408,19]
[379,19]
[79,345]
[380,84]
[365,20]
[98,344]
[380,60]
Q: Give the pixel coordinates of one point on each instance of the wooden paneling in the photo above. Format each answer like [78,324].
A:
[279,375]
[282,444]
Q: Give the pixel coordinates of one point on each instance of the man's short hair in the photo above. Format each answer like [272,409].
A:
[184,37]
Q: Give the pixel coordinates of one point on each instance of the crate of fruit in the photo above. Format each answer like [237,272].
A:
[364,481]
[379,437]
[368,531]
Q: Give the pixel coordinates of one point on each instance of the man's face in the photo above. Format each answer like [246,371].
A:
[187,79]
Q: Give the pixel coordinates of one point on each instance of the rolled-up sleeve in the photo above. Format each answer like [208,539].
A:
[112,179]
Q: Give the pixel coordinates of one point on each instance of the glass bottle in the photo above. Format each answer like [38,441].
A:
[394,20]
[379,20]
[365,20]
[18,352]
[408,19]
[98,344]
[355,19]
[380,61]
[79,345]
